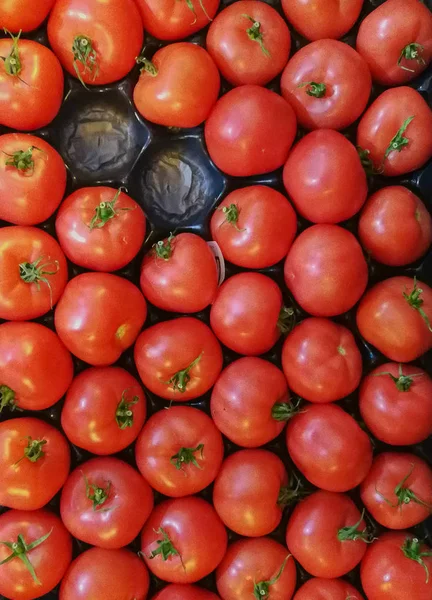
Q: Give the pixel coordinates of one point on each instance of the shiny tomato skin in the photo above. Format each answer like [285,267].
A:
[386,319]
[106,247]
[99,316]
[179,591]
[109,574]
[16,581]
[318,588]
[250,131]
[263,231]
[328,446]
[326,271]
[347,81]
[164,435]
[185,281]
[28,352]
[24,15]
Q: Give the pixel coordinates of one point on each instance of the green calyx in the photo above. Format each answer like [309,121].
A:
[284,411]
[124,415]
[186,456]
[367,163]
[231,214]
[33,451]
[254,33]
[36,273]
[105,211]
[165,547]
[399,141]
[286,320]
[20,549]
[180,379]
[7,398]
[291,492]
[97,495]
[416,302]
[147,66]
[412,550]
[84,54]
[262,588]
[12,61]
[412,51]
[22,159]
[404,494]
[191,7]
[352,533]
[402,382]
[164,248]
[314,89]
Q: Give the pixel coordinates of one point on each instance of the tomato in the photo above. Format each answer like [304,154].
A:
[397,567]
[321,361]
[178,591]
[35,367]
[254,226]
[329,447]
[249,42]
[178,360]
[100,228]
[239,497]
[179,451]
[33,539]
[395,402]
[256,568]
[250,131]
[24,15]
[396,41]
[183,540]
[394,133]
[99,316]
[398,490]
[326,270]
[395,316]
[104,410]
[328,84]
[96,41]
[327,589]
[108,574]
[179,274]
[32,179]
[34,462]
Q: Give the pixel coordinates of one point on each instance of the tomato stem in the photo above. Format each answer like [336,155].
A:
[165,547]
[84,53]
[284,411]
[34,273]
[398,141]
[186,456]
[317,90]
[255,34]
[13,61]
[163,249]
[105,211]
[404,495]
[231,213]
[354,534]
[286,320]
[411,550]
[180,379]
[124,415]
[262,588]
[20,549]
[191,7]
[416,303]
[22,159]
[97,495]
[403,382]
[411,51]
[147,66]
[33,451]
[7,398]
[367,163]
[291,492]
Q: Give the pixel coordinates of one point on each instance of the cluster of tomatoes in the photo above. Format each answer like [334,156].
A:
[266,359]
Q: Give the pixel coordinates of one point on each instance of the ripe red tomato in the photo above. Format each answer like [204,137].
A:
[239,497]
[259,568]
[104,410]
[179,451]
[183,540]
[32,179]
[179,274]
[28,377]
[395,316]
[179,591]
[396,41]
[250,131]
[249,42]
[41,549]
[327,589]
[397,490]
[326,270]
[328,84]
[24,15]
[395,402]
[254,226]
[250,402]
[100,228]
[96,41]
[394,134]
[34,462]
[321,361]
[99,316]
[107,574]
[178,360]
[329,447]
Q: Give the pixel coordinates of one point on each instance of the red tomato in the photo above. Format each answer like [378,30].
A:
[395,227]
[183,540]
[99,316]
[100,228]
[96,41]
[254,226]
[178,360]
[250,131]
[398,490]
[104,410]
[396,41]
[259,568]
[179,451]
[395,402]
[178,87]
[328,84]
[395,316]
[35,367]
[394,134]
[397,567]
[329,447]
[108,574]
[24,15]
[41,549]
[249,42]
[327,589]
[326,270]
[32,179]
[178,591]
[239,497]
[179,274]
[321,361]
[34,462]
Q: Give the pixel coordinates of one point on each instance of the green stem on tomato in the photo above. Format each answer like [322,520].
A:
[402,382]
[416,302]
[411,51]
[36,273]
[317,90]
[180,379]
[85,54]
[22,159]
[186,456]
[262,588]
[254,33]
[20,549]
